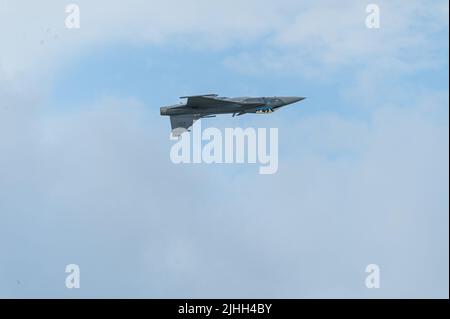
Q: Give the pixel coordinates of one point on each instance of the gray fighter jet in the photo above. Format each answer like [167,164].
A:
[183,115]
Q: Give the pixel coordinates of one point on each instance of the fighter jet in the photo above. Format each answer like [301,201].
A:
[183,115]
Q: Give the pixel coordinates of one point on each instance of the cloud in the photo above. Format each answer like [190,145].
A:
[40,39]
[312,37]
[95,186]
[323,38]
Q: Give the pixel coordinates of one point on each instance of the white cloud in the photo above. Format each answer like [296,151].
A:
[97,185]
[310,36]
[325,37]
[34,36]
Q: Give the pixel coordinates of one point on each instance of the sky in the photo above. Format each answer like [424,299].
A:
[363,167]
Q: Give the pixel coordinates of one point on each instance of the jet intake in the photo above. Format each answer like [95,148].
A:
[264,110]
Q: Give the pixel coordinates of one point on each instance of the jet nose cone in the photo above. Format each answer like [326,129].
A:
[292,99]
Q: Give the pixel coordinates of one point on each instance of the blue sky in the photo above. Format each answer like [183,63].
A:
[86,178]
